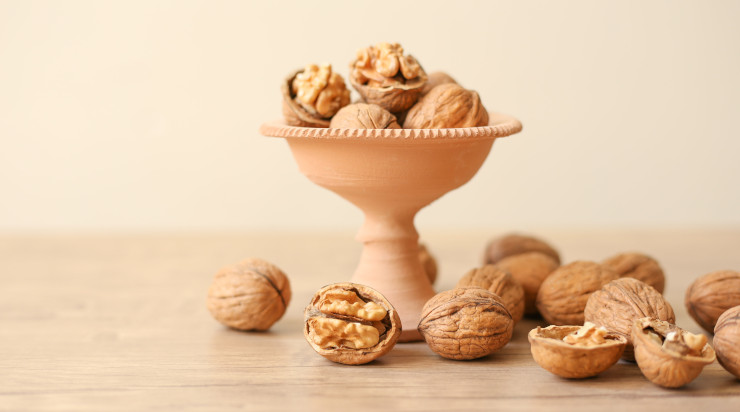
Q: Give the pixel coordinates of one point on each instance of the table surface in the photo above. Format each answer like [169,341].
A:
[103,322]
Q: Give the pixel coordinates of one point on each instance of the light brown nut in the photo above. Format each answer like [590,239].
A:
[251,295]
[351,324]
[620,302]
[639,266]
[668,355]
[383,75]
[312,95]
[447,106]
[516,244]
[712,294]
[501,283]
[435,79]
[529,270]
[428,263]
[562,296]
[465,323]
[727,340]
[364,116]
[551,350]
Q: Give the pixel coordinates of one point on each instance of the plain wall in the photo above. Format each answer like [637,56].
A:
[143,115]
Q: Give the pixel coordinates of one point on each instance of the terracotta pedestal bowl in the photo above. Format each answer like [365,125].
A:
[390,175]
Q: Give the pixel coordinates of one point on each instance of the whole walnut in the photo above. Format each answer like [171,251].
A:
[465,323]
[639,266]
[712,294]
[563,295]
[501,283]
[435,79]
[529,270]
[727,340]
[619,303]
[515,244]
[447,106]
[364,116]
[251,295]
[428,263]
[312,95]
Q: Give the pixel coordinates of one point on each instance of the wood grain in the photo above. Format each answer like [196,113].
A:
[91,323]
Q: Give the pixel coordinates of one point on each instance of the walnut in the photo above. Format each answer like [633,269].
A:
[712,294]
[529,270]
[383,75]
[563,295]
[620,302]
[668,355]
[351,324]
[312,95]
[727,340]
[501,283]
[251,295]
[515,244]
[435,79]
[447,106]
[639,266]
[575,351]
[428,263]
[364,116]
[465,323]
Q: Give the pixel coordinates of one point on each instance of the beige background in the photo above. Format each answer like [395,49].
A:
[143,115]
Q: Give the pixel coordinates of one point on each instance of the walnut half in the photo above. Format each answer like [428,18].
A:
[351,324]
[313,95]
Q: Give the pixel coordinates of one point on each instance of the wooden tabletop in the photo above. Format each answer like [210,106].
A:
[98,322]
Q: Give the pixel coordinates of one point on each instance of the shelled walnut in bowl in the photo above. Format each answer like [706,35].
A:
[575,351]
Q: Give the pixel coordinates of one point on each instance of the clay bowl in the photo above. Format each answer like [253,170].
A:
[390,175]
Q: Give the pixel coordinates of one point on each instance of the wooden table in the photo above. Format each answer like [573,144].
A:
[92,323]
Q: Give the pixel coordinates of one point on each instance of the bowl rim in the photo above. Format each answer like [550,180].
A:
[500,125]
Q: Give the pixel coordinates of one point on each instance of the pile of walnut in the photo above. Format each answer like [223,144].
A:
[394,91]
[599,312]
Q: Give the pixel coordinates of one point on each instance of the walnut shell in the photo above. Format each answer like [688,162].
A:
[727,340]
[364,116]
[515,244]
[620,302]
[639,266]
[529,270]
[501,283]
[562,296]
[712,294]
[447,106]
[569,361]
[251,295]
[662,365]
[435,79]
[341,314]
[428,263]
[465,323]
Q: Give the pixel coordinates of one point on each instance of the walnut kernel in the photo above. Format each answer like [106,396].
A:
[312,95]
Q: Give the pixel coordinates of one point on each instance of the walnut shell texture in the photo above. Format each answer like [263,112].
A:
[428,263]
[529,270]
[563,295]
[639,266]
[515,244]
[569,361]
[364,116]
[465,323]
[251,295]
[711,295]
[389,327]
[435,79]
[664,367]
[500,282]
[448,105]
[294,114]
[620,302]
[727,340]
